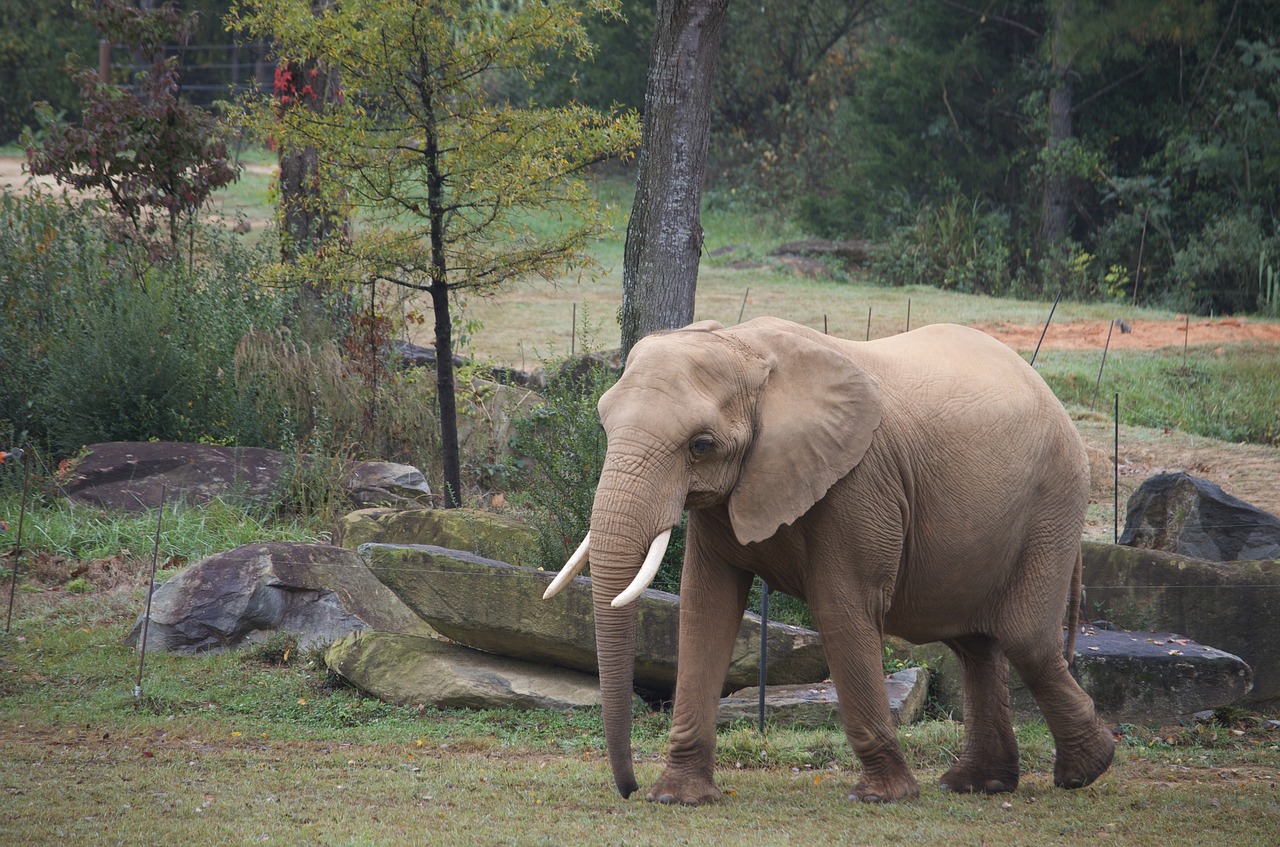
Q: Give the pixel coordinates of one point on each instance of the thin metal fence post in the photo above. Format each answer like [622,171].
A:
[17,547]
[151,588]
[1046,327]
[764,646]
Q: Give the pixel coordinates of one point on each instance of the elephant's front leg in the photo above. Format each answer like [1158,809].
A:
[712,599]
[852,645]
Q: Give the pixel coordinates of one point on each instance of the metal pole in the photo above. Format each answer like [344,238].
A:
[1186,333]
[1046,327]
[868,323]
[1094,402]
[17,547]
[908,329]
[764,645]
[1115,482]
[151,588]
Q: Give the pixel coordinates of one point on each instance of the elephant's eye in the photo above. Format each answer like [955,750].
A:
[701,446]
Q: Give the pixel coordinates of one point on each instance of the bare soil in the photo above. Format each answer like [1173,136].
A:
[1134,335]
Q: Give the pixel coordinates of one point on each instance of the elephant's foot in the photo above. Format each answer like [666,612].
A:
[885,789]
[1079,765]
[684,788]
[967,777]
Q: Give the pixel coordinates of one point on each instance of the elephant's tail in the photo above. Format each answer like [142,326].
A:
[1073,611]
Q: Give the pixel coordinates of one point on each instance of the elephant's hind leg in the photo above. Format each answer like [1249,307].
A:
[1085,745]
[989,762]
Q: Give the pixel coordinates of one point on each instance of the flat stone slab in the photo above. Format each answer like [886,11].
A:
[411,670]
[498,607]
[487,534]
[1133,677]
[818,705]
[1143,677]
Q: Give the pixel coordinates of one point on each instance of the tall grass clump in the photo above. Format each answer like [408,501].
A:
[313,400]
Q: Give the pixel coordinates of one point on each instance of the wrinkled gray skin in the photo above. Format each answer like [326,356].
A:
[927,485]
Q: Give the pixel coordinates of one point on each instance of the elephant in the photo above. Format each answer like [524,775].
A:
[927,485]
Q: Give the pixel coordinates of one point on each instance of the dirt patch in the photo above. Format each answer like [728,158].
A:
[1134,335]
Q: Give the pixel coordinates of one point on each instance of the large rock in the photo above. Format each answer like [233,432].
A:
[314,591]
[1142,677]
[1233,606]
[411,670]
[1183,514]
[818,705]
[497,607]
[129,475]
[1133,677]
[389,483]
[486,534]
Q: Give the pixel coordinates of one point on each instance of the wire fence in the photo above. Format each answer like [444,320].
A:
[209,73]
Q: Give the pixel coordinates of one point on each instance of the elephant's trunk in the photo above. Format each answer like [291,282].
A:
[623,527]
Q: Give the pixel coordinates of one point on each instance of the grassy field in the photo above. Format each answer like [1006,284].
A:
[262,746]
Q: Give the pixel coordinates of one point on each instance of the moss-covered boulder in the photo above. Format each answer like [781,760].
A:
[498,607]
[412,671]
[486,534]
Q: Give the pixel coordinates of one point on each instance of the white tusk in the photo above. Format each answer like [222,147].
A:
[647,571]
[570,569]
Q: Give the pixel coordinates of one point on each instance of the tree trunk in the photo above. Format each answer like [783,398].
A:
[446,395]
[1055,216]
[664,236]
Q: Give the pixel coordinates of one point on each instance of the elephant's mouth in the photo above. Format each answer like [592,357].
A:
[703,499]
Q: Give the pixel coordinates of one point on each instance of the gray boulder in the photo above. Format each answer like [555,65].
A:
[129,476]
[1133,677]
[386,483]
[1232,605]
[498,608]
[818,705]
[1183,514]
[1143,677]
[412,670]
[314,591]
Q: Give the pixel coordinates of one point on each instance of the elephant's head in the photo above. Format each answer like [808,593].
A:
[763,417]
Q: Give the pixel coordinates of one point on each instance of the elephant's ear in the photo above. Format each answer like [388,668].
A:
[814,422]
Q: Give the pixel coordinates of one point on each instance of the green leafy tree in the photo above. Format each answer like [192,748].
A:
[438,174]
[155,156]
[34,43]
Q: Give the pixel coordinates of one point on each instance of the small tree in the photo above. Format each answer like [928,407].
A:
[438,176]
[155,156]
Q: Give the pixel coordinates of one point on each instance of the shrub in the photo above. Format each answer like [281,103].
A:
[1218,269]
[95,350]
[957,244]
[311,400]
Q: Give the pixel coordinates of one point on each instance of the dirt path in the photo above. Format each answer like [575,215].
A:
[1141,335]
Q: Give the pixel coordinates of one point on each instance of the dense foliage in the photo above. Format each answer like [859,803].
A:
[1166,161]
[155,156]
[98,344]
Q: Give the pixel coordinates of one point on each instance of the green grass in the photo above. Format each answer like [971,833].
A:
[1228,393]
[265,745]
